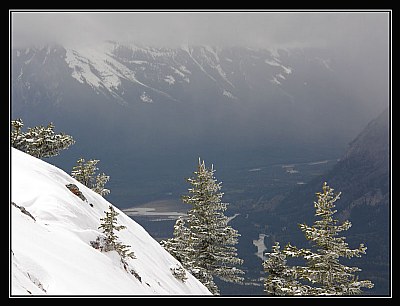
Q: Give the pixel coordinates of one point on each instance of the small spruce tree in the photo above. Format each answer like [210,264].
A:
[109,227]
[17,139]
[100,181]
[38,141]
[85,173]
[204,243]
[179,245]
[323,270]
[179,272]
[281,278]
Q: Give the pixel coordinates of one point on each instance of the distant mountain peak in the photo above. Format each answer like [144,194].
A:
[110,68]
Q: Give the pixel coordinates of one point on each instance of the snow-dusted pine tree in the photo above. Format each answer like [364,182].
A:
[17,139]
[205,242]
[100,181]
[84,172]
[109,226]
[179,245]
[179,272]
[281,278]
[39,141]
[323,271]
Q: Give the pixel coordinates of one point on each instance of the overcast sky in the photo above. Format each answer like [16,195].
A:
[253,29]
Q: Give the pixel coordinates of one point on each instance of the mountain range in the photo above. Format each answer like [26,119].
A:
[276,123]
[154,111]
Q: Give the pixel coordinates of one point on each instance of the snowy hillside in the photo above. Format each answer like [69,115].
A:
[51,230]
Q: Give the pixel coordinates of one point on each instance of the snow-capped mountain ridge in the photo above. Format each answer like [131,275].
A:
[51,230]
[113,69]
[125,61]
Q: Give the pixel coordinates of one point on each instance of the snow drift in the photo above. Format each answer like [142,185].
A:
[50,233]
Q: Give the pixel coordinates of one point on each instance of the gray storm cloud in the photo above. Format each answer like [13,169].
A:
[253,29]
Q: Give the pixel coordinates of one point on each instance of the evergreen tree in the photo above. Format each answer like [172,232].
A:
[17,139]
[281,279]
[323,270]
[39,141]
[109,226]
[84,172]
[179,272]
[100,181]
[179,246]
[205,244]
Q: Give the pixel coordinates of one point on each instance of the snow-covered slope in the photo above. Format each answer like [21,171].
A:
[51,230]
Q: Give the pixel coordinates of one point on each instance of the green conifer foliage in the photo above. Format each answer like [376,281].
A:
[323,273]
[204,242]
[85,173]
[39,141]
[281,278]
[179,245]
[109,226]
